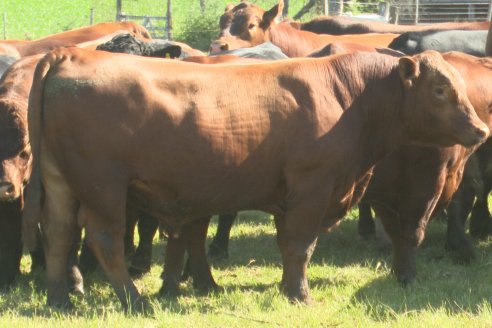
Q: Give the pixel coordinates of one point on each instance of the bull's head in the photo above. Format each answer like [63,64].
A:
[436,96]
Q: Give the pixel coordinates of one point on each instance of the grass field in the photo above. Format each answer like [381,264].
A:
[350,282]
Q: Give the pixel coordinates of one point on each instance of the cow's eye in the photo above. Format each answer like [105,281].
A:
[439,91]
[251,26]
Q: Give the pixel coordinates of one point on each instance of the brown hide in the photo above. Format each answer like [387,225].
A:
[73,37]
[15,158]
[338,25]
[221,59]
[337,48]
[295,138]
[248,25]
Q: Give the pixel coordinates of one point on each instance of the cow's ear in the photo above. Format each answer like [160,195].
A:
[272,14]
[172,51]
[409,71]
[228,7]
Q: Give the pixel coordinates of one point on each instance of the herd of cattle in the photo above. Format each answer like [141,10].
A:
[91,138]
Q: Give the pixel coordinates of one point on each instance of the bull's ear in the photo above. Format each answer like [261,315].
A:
[171,51]
[409,70]
[228,7]
[272,14]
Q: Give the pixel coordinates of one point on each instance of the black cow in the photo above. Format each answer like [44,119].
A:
[470,42]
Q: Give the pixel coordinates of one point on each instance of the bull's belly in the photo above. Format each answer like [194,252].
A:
[176,206]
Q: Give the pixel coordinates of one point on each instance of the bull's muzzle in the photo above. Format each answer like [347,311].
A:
[7,191]
[477,134]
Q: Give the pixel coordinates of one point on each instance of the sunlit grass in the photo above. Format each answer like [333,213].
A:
[350,279]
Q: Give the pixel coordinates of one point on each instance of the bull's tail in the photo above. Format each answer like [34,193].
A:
[33,202]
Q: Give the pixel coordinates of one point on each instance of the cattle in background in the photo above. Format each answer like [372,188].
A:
[469,42]
[15,159]
[339,25]
[286,149]
[15,168]
[72,37]
[247,25]
[417,182]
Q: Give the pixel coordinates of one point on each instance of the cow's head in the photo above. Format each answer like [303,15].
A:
[435,96]
[15,153]
[245,25]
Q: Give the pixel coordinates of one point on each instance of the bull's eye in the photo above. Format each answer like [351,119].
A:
[251,26]
[439,92]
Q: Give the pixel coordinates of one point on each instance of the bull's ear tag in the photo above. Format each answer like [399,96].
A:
[409,70]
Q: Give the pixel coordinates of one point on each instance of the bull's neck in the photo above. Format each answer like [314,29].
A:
[371,96]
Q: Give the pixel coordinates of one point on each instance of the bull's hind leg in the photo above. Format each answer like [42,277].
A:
[196,234]
[191,238]
[59,226]
[173,265]
[105,237]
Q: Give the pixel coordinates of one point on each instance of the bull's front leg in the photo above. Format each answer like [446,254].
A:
[199,268]
[406,233]
[298,229]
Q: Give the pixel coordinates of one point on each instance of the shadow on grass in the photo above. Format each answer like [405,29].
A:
[440,283]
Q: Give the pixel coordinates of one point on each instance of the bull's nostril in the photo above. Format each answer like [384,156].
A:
[224,47]
[6,189]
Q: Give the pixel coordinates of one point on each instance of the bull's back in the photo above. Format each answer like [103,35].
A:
[164,120]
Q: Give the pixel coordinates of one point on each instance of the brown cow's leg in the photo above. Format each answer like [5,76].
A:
[105,237]
[296,240]
[173,265]
[59,225]
[196,234]
[406,233]
[192,238]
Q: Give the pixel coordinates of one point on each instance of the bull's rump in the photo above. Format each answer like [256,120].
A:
[193,142]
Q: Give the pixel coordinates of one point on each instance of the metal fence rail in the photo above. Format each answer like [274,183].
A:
[418,12]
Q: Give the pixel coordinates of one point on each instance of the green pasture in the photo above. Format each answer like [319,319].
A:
[350,282]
